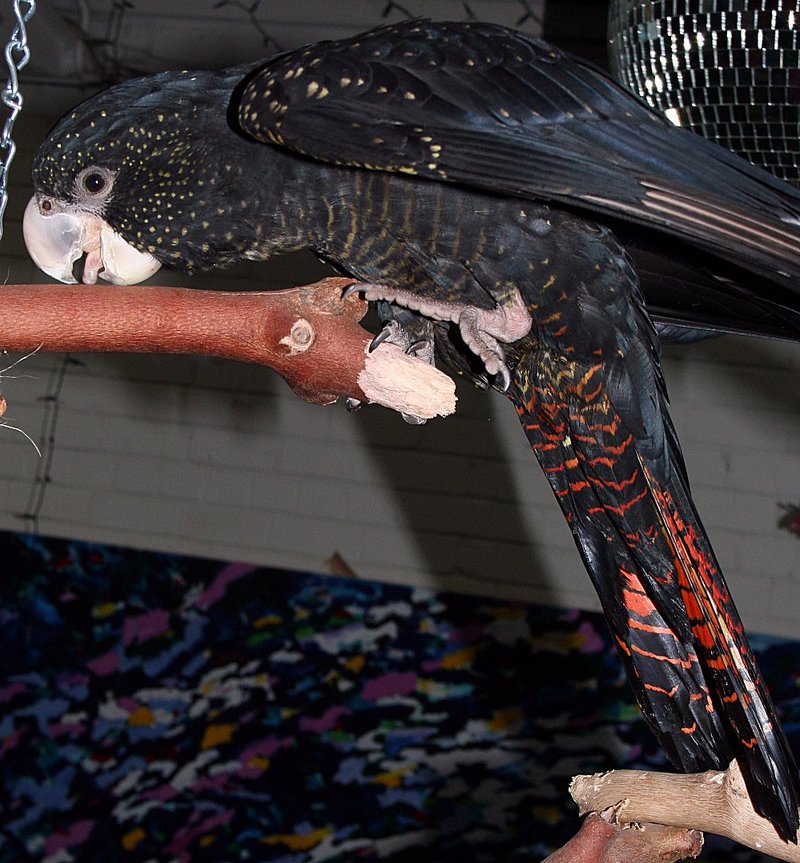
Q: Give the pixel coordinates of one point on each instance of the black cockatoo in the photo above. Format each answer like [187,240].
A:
[532,220]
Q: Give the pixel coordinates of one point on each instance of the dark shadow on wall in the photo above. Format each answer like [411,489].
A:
[457,486]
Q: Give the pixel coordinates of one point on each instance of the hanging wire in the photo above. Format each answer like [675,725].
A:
[47,442]
[17,55]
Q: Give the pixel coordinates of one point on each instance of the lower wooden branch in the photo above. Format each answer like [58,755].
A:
[309,335]
[712,802]
[602,839]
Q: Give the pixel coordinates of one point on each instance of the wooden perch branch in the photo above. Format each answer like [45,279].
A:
[309,335]
[712,802]
[602,839]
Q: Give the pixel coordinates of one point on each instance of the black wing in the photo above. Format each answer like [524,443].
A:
[494,109]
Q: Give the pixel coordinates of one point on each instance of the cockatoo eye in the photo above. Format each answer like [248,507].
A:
[94,181]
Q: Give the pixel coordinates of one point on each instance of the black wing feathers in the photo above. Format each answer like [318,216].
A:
[480,105]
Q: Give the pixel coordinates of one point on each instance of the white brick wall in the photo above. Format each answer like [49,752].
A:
[219,459]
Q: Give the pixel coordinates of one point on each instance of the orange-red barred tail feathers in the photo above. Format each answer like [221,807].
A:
[767,763]
[679,635]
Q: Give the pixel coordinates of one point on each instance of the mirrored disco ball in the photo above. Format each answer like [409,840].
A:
[728,69]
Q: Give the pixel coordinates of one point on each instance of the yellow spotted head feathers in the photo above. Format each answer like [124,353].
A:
[157,159]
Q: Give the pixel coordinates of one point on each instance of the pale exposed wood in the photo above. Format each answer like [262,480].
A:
[712,802]
[392,377]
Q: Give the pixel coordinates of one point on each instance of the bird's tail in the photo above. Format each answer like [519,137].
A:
[677,630]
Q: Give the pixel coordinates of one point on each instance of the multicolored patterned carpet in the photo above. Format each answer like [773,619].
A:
[163,708]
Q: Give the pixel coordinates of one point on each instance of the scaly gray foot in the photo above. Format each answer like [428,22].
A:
[394,333]
[482,330]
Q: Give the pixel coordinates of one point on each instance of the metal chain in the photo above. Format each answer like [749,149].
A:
[17,55]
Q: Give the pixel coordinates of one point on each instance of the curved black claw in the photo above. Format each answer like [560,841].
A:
[355,288]
[352,404]
[382,336]
[505,376]
[418,347]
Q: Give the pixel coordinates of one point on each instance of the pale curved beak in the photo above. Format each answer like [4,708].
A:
[121,263]
[56,240]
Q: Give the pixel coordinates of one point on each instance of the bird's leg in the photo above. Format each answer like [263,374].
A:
[408,330]
[483,330]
